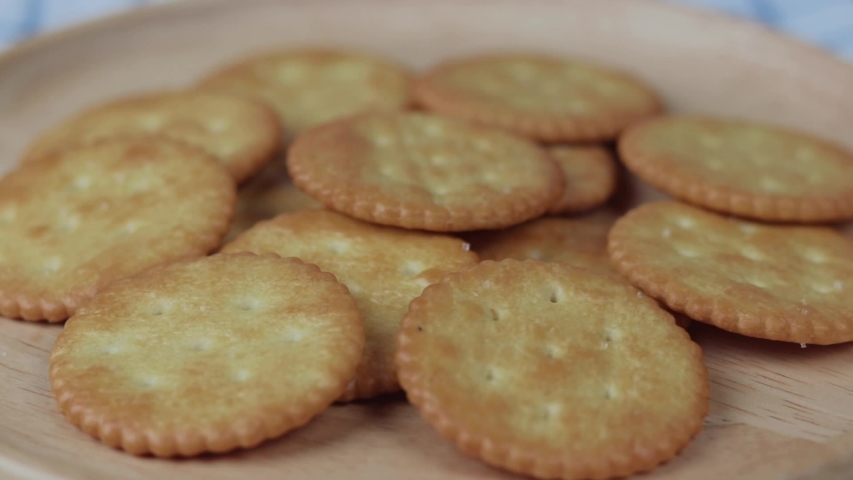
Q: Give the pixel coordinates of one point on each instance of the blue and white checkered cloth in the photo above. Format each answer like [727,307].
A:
[825,23]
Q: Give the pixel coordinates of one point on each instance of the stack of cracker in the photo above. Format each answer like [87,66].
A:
[350,267]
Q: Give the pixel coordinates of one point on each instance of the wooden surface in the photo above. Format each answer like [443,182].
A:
[777,410]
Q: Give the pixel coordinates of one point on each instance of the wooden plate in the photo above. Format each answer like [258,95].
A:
[777,411]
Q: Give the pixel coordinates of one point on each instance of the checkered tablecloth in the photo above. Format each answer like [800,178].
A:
[826,23]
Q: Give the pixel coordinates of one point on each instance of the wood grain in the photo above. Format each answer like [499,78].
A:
[778,410]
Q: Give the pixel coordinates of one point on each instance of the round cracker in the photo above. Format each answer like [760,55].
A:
[743,168]
[578,241]
[775,282]
[384,269]
[307,87]
[422,171]
[243,135]
[590,177]
[544,98]
[208,355]
[551,371]
[75,221]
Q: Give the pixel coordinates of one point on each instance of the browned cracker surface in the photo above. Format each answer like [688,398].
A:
[775,282]
[580,241]
[423,171]
[590,177]
[743,168]
[551,371]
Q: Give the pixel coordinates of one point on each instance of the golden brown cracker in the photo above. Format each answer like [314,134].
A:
[209,355]
[243,135]
[787,283]
[544,98]
[590,173]
[75,221]
[580,241]
[307,87]
[743,168]
[551,371]
[421,171]
[383,267]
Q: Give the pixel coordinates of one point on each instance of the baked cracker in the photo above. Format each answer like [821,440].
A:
[591,176]
[307,87]
[75,221]
[209,355]
[383,267]
[743,168]
[545,98]
[786,283]
[552,371]
[422,171]
[243,135]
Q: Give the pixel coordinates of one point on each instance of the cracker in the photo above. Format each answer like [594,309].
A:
[552,371]
[210,355]
[307,87]
[263,198]
[243,135]
[590,177]
[73,222]
[743,168]
[787,283]
[384,269]
[423,171]
[545,98]
[578,241]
